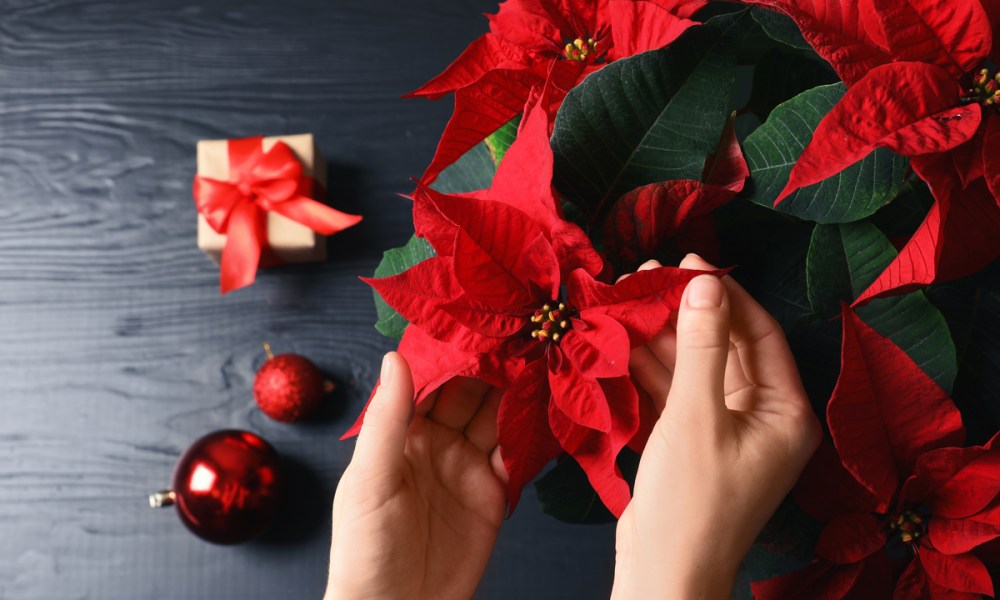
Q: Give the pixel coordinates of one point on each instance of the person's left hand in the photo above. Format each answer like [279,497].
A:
[416,513]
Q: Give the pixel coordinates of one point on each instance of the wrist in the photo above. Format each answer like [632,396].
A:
[674,581]
[675,567]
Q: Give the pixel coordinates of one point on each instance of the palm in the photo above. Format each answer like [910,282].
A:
[422,524]
[451,505]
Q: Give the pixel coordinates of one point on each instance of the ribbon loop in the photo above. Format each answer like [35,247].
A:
[260,182]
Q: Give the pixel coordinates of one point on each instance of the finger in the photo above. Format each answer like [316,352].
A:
[651,375]
[427,405]
[697,390]
[383,432]
[764,352]
[736,378]
[482,429]
[664,346]
[458,401]
[496,461]
[646,266]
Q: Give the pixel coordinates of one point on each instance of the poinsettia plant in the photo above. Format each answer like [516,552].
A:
[838,157]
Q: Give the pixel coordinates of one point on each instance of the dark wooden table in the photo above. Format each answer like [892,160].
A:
[116,350]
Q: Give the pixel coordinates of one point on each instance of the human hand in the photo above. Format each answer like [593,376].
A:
[735,431]
[416,513]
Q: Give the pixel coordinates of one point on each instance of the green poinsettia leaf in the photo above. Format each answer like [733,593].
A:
[780,28]
[474,171]
[652,117]
[500,140]
[842,261]
[394,261]
[565,493]
[851,195]
[828,282]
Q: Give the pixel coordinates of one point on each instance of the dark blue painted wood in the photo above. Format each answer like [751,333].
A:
[116,351]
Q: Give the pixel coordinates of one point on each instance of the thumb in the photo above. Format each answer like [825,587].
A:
[387,418]
[702,348]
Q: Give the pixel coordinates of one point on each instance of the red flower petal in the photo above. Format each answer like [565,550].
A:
[912,584]
[958,236]
[967,159]
[484,54]
[642,302]
[501,257]
[955,536]
[534,25]
[430,224]
[822,580]
[485,320]
[907,107]
[526,442]
[673,215]
[647,420]
[597,452]
[481,109]
[624,411]
[955,482]
[577,395]
[961,572]
[597,346]
[727,168]
[837,31]
[682,8]
[953,34]
[501,271]
[991,156]
[826,489]
[885,411]
[432,363]
[524,181]
[638,26]
[850,538]
[418,294]
[524,178]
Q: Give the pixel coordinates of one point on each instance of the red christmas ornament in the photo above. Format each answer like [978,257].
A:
[289,387]
[226,487]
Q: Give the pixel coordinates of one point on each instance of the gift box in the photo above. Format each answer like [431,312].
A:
[267,193]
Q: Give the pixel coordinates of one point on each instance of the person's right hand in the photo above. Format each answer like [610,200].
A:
[735,431]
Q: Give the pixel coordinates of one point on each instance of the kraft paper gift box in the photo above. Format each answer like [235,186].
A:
[289,241]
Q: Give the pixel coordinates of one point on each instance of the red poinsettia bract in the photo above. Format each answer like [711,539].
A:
[920,83]
[511,298]
[904,508]
[674,218]
[534,41]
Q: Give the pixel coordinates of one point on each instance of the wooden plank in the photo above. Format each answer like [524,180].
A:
[116,351]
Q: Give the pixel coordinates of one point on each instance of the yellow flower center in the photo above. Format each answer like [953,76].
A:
[551,322]
[909,525]
[985,88]
[580,50]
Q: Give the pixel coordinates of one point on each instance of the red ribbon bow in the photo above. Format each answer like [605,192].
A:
[259,182]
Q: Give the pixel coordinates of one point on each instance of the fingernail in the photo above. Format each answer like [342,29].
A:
[704,291]
[386,373]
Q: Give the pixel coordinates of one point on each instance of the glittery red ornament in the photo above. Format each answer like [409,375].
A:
[289,387]
[226,487]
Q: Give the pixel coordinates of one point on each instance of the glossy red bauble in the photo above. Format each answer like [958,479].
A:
[289,388]
[226,486]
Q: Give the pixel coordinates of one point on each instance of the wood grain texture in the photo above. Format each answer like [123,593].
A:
[117,351]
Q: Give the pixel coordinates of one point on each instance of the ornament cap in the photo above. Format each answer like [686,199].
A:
[162,499]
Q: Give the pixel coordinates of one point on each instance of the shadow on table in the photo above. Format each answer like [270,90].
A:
[304,510]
